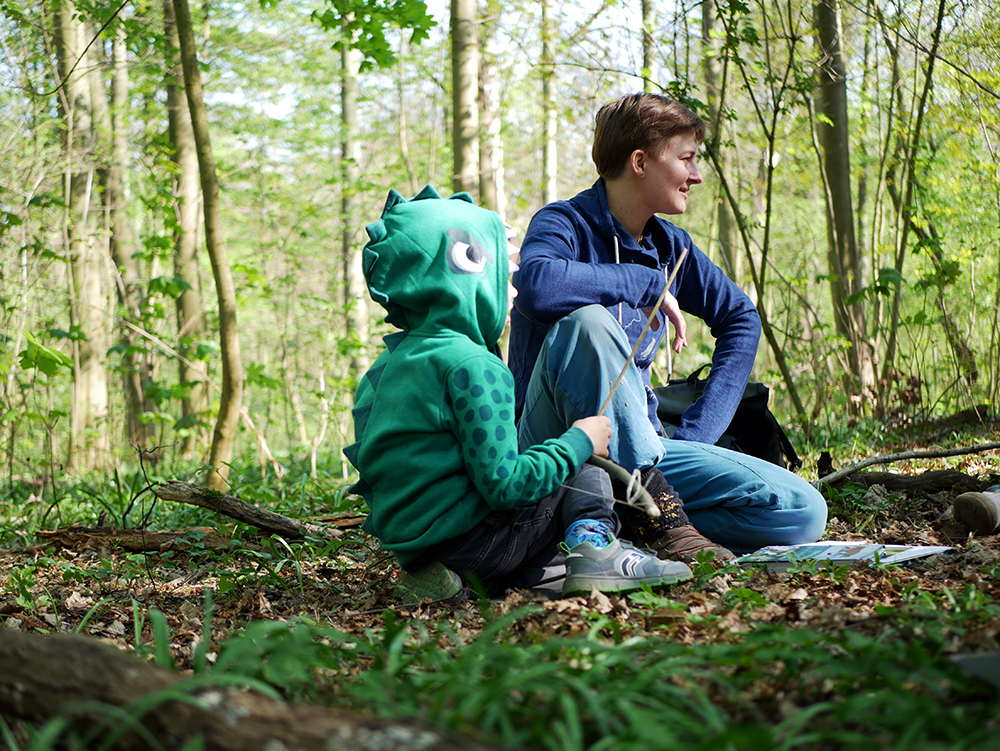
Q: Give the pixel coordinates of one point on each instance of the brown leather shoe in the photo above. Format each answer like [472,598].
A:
[685,542]
[980,512]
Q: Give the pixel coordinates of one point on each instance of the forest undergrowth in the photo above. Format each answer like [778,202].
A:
[816,657]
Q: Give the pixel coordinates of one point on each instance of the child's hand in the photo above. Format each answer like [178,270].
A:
[598,429]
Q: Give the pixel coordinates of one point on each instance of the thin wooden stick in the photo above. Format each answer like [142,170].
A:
[888,458]
[649,322]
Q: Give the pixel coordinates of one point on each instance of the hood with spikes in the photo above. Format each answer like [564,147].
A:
[439,264]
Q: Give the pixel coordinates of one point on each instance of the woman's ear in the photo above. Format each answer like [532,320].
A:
[637,162]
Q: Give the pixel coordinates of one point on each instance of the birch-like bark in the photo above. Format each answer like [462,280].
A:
[355,298]
[465,95]
[89,440]
[550,148]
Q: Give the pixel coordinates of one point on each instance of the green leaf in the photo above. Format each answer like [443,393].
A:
[38,356]
[255,375]
[889,275]
[170,286]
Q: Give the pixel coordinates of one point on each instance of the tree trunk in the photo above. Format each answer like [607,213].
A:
[465,90]
[355,299]
[224,435]
[904,213]
[89,441]
[136,363]
[80,678]
[550,149]
[842,249]
[649,72]
[190,309]
[730,257]
[403,125]
[491,195]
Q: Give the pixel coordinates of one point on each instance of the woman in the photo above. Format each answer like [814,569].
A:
[592,268]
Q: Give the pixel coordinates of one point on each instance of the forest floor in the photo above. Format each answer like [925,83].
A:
[76,580]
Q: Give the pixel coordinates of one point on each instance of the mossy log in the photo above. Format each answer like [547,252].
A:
[82,679]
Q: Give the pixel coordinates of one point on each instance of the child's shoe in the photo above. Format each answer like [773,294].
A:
[618,567]
[435,582]
[980,512]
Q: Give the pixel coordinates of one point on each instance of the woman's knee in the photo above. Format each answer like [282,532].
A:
[813,511]
[589,322]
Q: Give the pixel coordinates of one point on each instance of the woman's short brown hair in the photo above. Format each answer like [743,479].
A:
[638,121]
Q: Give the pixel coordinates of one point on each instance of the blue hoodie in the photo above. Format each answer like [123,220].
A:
[575,253]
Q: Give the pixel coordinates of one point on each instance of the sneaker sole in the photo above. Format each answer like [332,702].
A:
[583,585]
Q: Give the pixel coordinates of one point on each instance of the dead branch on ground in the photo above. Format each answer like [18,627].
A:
[266,521]
[904,456]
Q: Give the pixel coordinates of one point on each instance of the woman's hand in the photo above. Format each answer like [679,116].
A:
[673,313]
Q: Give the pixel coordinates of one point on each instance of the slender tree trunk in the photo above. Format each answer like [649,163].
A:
[224,435]
[193,373]
[136,364]
[550,148]
[715,88]
[404,128]
[89,400]
[465,89]
[355,300]
[904,213]
[649,72]
[842,249]
[491,194]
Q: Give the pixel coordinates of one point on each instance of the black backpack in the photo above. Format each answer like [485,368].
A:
[753,430]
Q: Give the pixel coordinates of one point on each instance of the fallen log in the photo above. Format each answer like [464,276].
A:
[932,481]
[78,536]
[80,678]
[266,521]
[835,477]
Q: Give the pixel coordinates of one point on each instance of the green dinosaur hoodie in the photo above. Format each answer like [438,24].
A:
[435,440]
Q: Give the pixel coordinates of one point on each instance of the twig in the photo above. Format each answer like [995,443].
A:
[649,322]
[904,455]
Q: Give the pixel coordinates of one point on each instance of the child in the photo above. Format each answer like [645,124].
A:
[436,445]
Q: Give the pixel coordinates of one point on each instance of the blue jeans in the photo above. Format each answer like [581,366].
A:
[519,548]
[738,501]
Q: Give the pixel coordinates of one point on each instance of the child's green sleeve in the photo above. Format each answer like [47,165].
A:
[481,394]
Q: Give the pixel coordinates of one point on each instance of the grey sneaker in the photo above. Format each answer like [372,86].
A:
[980,512]
[620,567]
[435,582]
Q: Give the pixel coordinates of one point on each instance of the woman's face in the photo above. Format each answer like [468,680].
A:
[669,176]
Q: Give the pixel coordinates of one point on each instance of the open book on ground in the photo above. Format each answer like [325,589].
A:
[780,557]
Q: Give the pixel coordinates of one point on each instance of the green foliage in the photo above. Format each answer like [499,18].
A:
[841,690]
[45,359]
[368,21]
